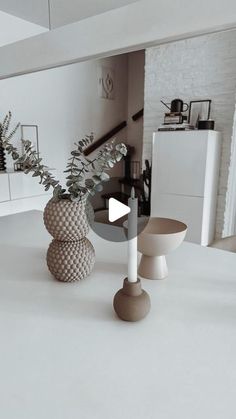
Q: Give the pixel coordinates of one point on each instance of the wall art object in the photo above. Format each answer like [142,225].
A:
[106,83]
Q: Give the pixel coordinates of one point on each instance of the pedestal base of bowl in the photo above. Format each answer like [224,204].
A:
[153,267]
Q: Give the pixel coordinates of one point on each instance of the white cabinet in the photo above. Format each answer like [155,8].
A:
[4,187]
[25,186]
[185,172]
[20,192]
[177,157]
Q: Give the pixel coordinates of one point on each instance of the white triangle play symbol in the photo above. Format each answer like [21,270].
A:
[117,210]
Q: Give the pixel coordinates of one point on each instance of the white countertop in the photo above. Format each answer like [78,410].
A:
[65,355]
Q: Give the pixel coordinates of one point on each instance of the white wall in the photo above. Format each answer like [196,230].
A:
[128,28]
[14,29]
[203,67]
[136,62]
[65,104]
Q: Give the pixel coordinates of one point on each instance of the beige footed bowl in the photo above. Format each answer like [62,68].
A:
[159,237]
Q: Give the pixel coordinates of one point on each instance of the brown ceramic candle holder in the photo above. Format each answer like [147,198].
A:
[131,303]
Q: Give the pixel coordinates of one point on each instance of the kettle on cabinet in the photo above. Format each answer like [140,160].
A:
[176,106]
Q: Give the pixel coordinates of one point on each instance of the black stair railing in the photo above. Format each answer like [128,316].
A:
[110,134]
[105,138]
[138,115]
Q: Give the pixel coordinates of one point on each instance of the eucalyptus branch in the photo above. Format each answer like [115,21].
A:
[84,176]
[4,127]
[77,168]
[31,162]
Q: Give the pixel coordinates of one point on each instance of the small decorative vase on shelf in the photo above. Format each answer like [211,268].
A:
[70,256]
[2,160]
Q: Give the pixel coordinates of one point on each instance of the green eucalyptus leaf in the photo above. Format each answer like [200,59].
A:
[75,153]
[35,174]
[105,177]
[89,183]
[97,178]
[98,188]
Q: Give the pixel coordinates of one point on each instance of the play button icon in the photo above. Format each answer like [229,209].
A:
[108,212]
[117,210]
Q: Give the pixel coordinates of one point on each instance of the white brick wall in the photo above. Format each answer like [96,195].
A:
[197,68]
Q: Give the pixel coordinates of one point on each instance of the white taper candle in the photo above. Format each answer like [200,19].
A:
[132,237]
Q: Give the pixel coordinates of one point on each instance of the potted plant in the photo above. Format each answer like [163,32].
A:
[70,255]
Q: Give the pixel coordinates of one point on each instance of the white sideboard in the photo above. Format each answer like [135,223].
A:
[185,173]
[4,188]
[20,192]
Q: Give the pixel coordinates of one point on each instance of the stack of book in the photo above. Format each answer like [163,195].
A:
[176,127]
[175,121]
[174,118]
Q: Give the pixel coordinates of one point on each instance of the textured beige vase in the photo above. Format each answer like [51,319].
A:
[70,256]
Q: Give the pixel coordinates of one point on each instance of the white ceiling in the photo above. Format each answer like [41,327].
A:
[14,29]
[68,11]
[62,12]
[35,11]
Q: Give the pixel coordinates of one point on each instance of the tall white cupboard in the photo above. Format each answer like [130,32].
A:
[185,174]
